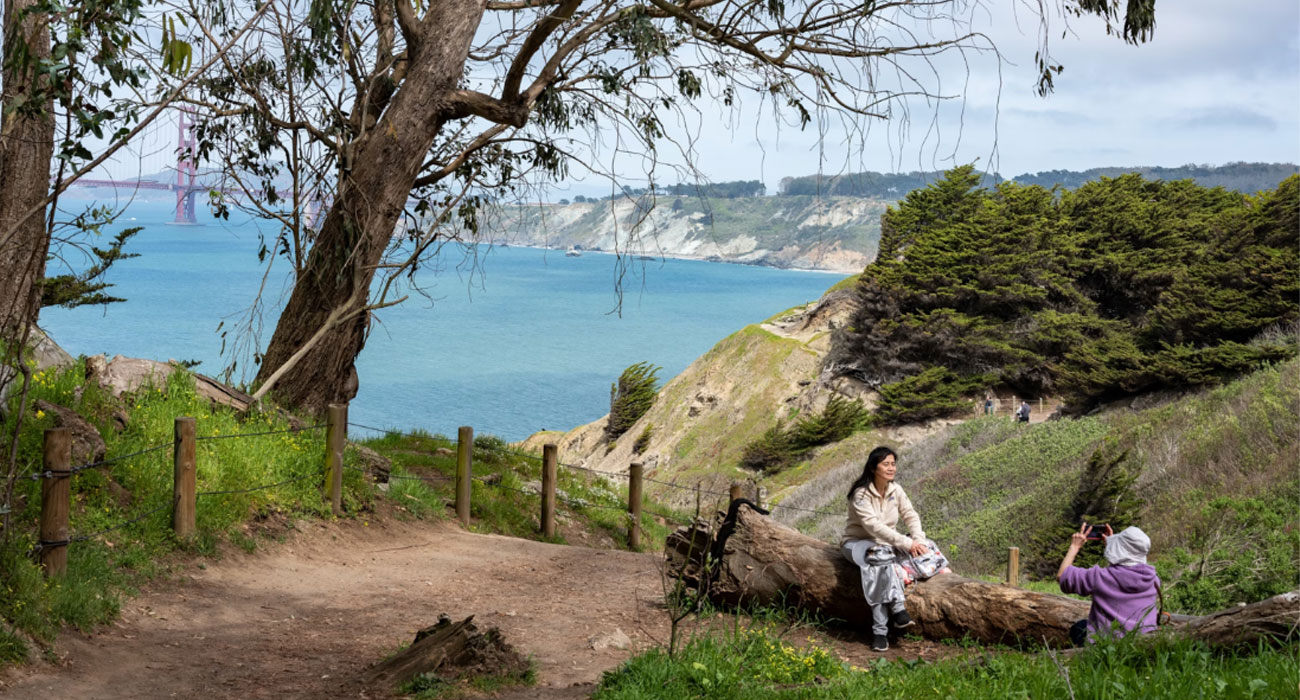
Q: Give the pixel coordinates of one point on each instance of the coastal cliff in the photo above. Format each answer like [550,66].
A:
[815,233]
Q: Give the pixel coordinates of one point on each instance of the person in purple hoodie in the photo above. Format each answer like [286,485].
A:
[1125,593]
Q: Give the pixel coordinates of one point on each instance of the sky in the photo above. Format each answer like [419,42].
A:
[1219,83]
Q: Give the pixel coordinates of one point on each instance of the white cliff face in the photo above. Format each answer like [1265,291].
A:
[836,234]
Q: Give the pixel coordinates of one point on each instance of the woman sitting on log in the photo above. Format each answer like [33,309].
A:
[1125,594]
[872,543]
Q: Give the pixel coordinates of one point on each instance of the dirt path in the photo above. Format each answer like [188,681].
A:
[300,619]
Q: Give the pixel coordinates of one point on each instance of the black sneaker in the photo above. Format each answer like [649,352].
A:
[901,620]
[879,642]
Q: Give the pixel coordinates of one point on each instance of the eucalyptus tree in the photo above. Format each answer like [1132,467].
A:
[417,115]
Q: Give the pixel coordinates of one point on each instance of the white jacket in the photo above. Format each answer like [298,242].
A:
[875,517]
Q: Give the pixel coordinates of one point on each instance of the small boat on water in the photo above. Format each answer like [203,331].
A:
[573,253]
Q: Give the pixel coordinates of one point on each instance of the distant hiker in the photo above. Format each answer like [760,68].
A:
[872,543]
[1125,594]
[988,405]
[1022,413]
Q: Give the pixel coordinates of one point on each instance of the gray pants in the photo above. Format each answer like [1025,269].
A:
[881,586]
[880,616]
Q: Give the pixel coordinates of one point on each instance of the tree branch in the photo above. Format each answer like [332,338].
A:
[535,40]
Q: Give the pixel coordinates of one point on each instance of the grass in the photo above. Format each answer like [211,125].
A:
[122,509]
[432,687]
[505,496]
[753,663]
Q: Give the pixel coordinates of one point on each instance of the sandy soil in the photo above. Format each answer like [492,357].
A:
[301,619]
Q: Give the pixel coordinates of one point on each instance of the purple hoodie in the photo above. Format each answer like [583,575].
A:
[1123,594]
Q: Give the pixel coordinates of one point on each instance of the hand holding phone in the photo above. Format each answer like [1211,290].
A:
[1097,532]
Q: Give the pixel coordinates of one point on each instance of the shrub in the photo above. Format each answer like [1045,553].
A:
[1121,287]
[631,397]
[771,452]
[781,446]
[1219,567]
[643,440]
[1105,495]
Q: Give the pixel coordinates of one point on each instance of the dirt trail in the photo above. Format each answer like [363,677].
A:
[302,618]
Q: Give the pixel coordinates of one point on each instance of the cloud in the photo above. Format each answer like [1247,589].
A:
[1058,117]
[1228,118]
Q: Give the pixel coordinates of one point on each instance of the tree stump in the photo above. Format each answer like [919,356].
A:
[750,559]
[449,651]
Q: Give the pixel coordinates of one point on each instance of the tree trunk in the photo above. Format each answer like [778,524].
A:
[360,223]
[26,147]
[757,561]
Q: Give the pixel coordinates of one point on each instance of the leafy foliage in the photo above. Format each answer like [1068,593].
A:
[1120,287]
[87,287]
[630,397]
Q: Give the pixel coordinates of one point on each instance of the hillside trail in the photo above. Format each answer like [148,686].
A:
[303,617]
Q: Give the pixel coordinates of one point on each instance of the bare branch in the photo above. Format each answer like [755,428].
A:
[534,42]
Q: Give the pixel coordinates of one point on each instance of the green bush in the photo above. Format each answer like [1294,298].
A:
[782,446]
[773,451]
[1105,495]
[631,397]
[643,440]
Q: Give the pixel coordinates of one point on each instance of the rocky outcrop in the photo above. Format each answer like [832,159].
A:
[43,352]
[127,374]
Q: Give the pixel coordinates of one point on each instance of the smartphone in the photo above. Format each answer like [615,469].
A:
[1096,531]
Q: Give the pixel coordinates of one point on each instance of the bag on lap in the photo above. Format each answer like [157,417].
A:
[927,565]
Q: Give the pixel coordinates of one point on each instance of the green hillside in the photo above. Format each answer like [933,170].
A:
[1210,476]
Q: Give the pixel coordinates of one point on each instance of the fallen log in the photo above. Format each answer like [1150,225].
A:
[749,559]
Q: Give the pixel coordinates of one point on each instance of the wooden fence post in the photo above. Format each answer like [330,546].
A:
[634,475]
[1013,567]
[464,471]
[336,438]
[56,501]
[184,477]
[550,458]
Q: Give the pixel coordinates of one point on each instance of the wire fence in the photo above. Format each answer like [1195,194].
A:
[604,474]
[46,474]
[264,432]
[696,490]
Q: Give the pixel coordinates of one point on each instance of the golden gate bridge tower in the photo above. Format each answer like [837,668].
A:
[186,167]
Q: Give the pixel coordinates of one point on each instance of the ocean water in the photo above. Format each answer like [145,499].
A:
[514,341]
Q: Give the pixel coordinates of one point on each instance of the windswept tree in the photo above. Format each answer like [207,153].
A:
[415,116]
